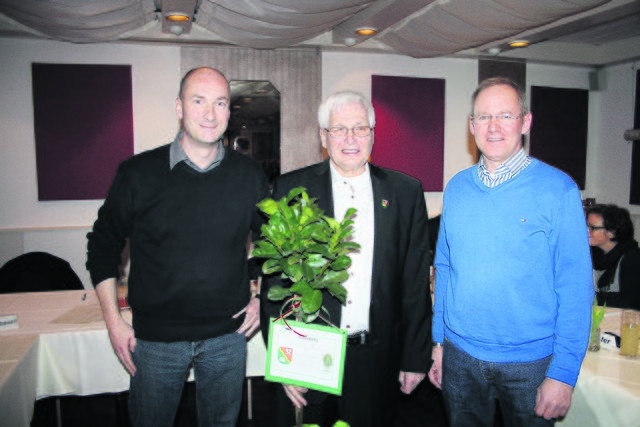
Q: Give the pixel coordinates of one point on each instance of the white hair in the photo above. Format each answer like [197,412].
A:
[340,99]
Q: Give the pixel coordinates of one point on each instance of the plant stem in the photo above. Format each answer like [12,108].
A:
[299,411]
[298,417]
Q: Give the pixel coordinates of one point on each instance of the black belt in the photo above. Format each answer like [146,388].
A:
[359,339]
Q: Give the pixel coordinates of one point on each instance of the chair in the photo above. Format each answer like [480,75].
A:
[38,272]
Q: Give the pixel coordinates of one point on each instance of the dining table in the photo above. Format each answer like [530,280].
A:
[607,393]
[60,346]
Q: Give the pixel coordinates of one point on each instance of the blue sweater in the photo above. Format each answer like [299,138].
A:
[513,270]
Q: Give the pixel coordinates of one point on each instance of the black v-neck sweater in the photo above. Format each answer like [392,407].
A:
[188,232]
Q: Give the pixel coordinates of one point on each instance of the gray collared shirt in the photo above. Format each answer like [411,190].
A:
[177,155]
[509,169]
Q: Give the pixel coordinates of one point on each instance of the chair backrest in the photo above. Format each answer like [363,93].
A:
[38,272]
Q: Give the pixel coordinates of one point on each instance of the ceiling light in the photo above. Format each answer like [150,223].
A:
[519,43]
[177,16]
[366,31]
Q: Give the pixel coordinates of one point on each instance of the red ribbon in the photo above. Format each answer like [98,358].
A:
[283,316]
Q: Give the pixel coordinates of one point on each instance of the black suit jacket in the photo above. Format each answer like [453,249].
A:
[400,312]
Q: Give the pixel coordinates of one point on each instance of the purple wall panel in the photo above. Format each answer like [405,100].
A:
[83,119]
[409,134]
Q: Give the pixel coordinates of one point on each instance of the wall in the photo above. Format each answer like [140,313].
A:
[59,227]
[294,72]
[609,155]
[344,70]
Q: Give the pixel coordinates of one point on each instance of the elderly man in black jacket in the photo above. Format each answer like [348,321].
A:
[388,310]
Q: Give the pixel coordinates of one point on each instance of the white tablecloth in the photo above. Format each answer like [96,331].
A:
[608,390]
[62,347]
[18,359]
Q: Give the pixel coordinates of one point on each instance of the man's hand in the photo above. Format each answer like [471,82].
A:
[121,333]
[435,373]
[553,399]
[123,343]
[251,320]
[295,394]
[409,381]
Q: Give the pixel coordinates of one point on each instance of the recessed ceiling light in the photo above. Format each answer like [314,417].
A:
[366,31]
[519,43]
[177,16]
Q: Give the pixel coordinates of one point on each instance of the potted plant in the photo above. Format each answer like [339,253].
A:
[309,250]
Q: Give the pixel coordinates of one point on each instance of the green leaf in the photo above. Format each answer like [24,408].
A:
[345,233]
[320,235]
[311,302]
[307,272]
[271,266]
[349,213]
[335,225]
[338,291]
[265,249]
[335,277]
[294,192]
[268,206]
[301,288]
[294,272]
[347,247]
[278,293]
[318,249]
[316,261]
[342,262]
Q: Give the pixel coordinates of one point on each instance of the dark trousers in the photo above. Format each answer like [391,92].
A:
[470,388]
[368,396]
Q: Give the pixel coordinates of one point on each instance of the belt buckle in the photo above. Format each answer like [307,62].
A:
[359,339]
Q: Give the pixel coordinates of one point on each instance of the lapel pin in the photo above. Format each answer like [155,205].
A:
[385,203]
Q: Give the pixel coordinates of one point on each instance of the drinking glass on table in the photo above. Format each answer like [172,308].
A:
[629,333]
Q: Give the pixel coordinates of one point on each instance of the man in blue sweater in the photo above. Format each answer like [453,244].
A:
[187,209]
[514,287]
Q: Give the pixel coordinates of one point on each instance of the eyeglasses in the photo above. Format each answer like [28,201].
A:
[484,119]
[593,228]
[341,131]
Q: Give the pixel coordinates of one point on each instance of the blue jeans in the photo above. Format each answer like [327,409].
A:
[162,369]
[470,388]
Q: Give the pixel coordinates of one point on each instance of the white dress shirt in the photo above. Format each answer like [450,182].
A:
[356,192]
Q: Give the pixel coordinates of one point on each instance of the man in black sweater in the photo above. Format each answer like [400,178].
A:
[186,209]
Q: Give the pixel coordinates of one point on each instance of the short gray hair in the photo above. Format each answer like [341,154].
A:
[340,99]
[501,81]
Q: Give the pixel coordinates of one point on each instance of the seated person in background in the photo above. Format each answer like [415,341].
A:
[616,256]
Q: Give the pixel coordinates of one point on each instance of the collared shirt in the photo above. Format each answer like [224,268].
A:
[177,155]
[356,192]
[509,169]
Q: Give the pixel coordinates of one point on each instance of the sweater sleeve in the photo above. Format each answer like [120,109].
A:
[442,266]
[573,285]
[108,237]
